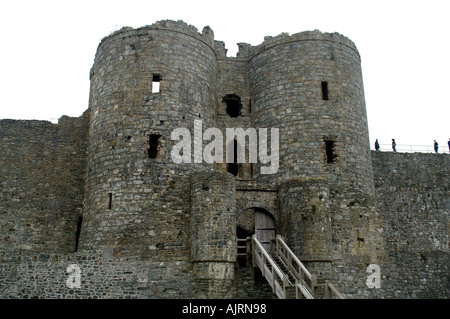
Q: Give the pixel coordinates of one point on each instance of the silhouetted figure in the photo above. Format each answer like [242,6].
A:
[394,145]
[436,146]
[448,145]
[377,146]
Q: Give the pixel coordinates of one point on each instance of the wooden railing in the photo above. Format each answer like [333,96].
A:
[331,292]
[305,283]
[270,270]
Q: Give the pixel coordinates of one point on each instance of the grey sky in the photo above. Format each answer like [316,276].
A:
[48,48]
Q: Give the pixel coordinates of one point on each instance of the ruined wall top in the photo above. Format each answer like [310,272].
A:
[245,50]
[206,36]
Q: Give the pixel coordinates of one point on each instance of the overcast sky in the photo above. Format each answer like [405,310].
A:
[48,48]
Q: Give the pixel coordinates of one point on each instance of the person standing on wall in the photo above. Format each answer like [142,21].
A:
[448,145]
[377,146]
[436,146]
[394,145]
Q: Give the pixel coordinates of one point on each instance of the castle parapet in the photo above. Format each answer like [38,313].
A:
[316,35]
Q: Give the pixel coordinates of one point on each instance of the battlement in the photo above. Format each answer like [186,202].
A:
[8,123]
[206,36]
[245,50]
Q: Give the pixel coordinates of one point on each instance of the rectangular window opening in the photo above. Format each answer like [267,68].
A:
[329,148]
[110,201]
[324,90]
[153,144]
[156,83]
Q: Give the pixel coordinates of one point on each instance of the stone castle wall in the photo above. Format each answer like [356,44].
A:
[42,183]
[413,254]
[413,193]
[24,274]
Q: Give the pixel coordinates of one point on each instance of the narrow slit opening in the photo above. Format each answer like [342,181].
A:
[77,236]
[324,90]
[109,200]
[329,149]
[153,144]
[233,167]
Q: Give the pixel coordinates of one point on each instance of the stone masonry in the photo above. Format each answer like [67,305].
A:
[101,192]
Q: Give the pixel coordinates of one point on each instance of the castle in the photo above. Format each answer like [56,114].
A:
[102,192]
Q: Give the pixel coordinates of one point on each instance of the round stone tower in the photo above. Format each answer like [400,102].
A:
[145,83]
[309,85]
